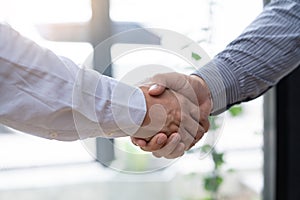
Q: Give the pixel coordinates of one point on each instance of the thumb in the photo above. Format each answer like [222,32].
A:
[156,90]
[138,142]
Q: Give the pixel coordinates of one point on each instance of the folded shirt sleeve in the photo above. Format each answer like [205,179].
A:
[266,51]
[51,97]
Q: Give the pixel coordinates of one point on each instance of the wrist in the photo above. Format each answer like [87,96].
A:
[203,86]
[146,120]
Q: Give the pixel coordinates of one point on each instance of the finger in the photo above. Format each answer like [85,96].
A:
[204,119]
[199,114]
[138,141]
[205,124]
[189,111]
[199,117]
[200,134]
[198,137]
[173,80]
[190,125]
[178,152]
[156,143]
[186,138]
[156,90]
[172,142]
[194,111]
[192,128]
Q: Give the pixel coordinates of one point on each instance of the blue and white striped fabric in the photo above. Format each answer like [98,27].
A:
[267,50]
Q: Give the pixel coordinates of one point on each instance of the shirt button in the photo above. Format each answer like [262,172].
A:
[53,135]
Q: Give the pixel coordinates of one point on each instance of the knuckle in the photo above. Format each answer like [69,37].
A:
[145,148]
[178,152]
[199,136]
[178,114]
[181,147]
[155,154]
[184,117]
[158,78]
[187,139]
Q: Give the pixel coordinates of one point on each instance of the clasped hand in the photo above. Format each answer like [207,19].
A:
[178,107]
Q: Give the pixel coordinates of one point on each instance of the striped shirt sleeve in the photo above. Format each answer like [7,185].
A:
[266,51]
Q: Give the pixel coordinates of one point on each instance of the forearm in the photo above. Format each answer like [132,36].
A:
[263,54]
[51,97]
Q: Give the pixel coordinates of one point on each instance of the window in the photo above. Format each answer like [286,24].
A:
[212,24]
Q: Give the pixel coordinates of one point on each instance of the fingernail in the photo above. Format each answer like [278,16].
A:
[153,87]
[175,138]
[160,140]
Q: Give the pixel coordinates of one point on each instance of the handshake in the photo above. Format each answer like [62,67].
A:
[178,107]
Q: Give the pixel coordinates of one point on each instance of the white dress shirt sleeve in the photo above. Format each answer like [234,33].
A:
[51,97]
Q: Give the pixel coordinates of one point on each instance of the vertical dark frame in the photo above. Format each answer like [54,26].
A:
[270,142]
[100,29]
[269,148]
[282,139]
[288,137]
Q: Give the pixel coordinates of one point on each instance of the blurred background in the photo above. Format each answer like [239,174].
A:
[34,168]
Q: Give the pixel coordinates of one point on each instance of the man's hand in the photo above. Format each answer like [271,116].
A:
[170,112]
[193,88]
[162,146]
[163,114]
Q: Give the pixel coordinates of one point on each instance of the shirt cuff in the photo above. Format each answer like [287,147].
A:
[137,107]
[221,82]
[128,107]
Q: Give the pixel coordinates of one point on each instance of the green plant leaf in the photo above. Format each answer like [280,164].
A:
[218,159]
[231,170]
[212,183]
[235,110]
[196,56]
[206,148]
[213,123]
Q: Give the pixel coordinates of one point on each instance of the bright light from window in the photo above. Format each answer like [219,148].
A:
[45,11]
